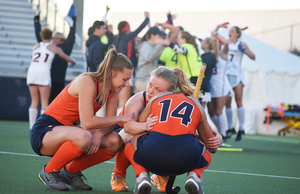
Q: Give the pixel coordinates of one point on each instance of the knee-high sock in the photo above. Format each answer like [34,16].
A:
[214,119]
[32,116]
[229,117]
[222,124]
[129,151]
[86,161]
[207,157]
[42,111]
[122,163]
[241,116]
[67,152]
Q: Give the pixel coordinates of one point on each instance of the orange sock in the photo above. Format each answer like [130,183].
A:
[129,151]
[86,161]
[67,152]
[207,157]
[122,163]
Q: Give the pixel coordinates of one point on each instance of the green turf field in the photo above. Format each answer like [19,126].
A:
[268,164]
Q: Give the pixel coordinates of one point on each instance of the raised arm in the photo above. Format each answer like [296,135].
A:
[133,34]
[37,28]
[68,45]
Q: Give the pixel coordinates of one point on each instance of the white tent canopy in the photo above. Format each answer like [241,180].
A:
[274,77]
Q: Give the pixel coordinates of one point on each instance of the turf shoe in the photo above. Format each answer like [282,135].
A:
[52,181]
[160,182]
[230,132]
[142,185]
[117,183]
[193,184]
[240,135]
[75,180]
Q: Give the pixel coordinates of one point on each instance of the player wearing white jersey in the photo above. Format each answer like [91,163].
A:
[39,69]
[38,75]
[234,71]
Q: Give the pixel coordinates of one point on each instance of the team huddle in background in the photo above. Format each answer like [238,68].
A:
[146,86]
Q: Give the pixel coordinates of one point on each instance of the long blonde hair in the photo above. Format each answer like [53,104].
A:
[178,81]
[113,61]
[213,45]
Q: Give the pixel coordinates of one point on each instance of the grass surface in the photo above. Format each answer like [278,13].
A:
[267,164]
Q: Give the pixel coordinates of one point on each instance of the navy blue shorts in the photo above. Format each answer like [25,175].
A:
[167,155]
[44,124]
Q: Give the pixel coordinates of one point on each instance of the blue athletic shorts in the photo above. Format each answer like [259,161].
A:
[167,155]
[44,124]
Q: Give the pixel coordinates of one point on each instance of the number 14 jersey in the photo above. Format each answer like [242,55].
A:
[177,114]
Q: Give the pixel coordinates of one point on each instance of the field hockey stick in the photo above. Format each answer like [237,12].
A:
[199,81]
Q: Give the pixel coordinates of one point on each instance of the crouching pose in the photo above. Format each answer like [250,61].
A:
[72,148]
[171,144]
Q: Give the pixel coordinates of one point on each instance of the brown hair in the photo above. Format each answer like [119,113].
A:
[113,61]
[190,39]
[178,81]
[213,45]
[239,30]
[46,34]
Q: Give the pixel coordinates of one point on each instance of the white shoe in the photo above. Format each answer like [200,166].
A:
[143,184]
[193,184]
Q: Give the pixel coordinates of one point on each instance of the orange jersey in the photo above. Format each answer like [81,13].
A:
[123,110]
[177,114]
[64,108]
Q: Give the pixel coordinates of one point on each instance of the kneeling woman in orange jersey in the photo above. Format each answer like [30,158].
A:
[171,148]
[72,148]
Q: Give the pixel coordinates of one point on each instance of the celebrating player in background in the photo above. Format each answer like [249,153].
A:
[72,148]
[162,148]
[236,50]
[38,75]
[59,65]
[125,44]
[220,88]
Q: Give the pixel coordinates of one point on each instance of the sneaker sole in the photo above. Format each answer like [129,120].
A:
[144,188]
[191,188]
[49,187]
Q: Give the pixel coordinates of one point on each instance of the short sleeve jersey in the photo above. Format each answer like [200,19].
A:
[177,114]
[191,62]
[170,58]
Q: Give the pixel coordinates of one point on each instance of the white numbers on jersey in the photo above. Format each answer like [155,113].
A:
[183,111]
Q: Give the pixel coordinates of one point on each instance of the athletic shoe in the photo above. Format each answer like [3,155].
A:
[240,135]
[193,184]
[52,181]
[160,182]
[230,132]
[117,183]
[224,139]
[75,180]
[142,185]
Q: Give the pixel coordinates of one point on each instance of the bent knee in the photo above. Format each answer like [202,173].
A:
[83,139]
[115,142]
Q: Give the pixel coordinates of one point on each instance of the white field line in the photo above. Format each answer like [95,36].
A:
[218,171]
[274,140]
